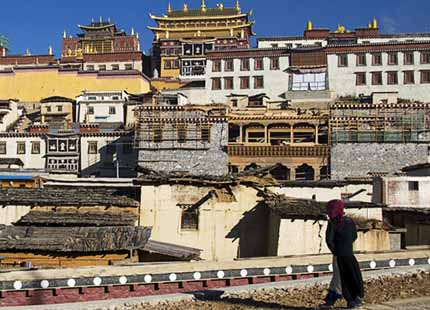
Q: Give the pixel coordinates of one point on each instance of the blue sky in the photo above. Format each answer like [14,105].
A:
[36,24]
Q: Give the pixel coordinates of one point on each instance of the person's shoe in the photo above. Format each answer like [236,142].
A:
[331,299]
[354,304]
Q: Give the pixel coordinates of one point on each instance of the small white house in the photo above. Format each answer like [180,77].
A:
[101,107]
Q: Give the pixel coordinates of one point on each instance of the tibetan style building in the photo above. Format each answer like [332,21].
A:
[102,47]
[183,37]
[293,141]
[4,45]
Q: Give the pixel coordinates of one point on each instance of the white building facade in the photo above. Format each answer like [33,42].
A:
[101,107]
[363,61]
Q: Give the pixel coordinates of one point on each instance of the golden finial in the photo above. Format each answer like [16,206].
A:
[203,6]
[27,52]
[64,34]
[309,26]
[50,50]
[221,6]
[369,25]
[101,20]
[340,29]
[238,6]
[375,24]
[132,31]
[185,7]
[169,7]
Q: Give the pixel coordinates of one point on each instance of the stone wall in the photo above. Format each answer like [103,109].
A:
[195,157]
[358,159]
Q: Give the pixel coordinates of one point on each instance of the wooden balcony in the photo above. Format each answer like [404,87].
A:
[321,151]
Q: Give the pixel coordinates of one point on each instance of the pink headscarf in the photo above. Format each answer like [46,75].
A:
[335,209]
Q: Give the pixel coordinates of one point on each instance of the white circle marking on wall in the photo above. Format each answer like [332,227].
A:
[310,268]
[97,281]
[172,277]
[71,282]
[220,274]
[412,262]
[243,273]
[148,278]
[197,275]
[372,264]
[266,271]
[289,270]
[392,263]
[44,284]
[17,285]
[123,280]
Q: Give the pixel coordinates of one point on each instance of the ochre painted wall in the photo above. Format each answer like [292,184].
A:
[34,85]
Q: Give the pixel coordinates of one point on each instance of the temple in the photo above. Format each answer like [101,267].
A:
[102,46]
[183,37]
[4,45]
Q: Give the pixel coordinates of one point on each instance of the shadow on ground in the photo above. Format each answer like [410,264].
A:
[215,296]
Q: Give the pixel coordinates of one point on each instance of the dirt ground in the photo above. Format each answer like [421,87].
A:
[377,291]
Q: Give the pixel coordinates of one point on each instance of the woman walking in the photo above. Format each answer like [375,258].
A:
[340,236]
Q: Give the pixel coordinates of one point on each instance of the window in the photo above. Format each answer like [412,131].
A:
[2,147]
[182,133]
[205,133]
[244,64]
[258,64]
[115,67]
[90,68]
[216,66]
[216,84]
[48,109]
[244,82]
[112,110]
[377,59]
[20,148]
[189,218]
[425,57]
[274,45]
[228,83]
[102,67]
[229,65]
[425,77]
[128,67]
[60,108]
[127,148]
[376,78]
[408,58]
[91,110]
[392,59]
[258,82]
[392,78]
[342,60]
[408,77]
[35,147]
[234,103]
[360,78]
[157,134]
[92,98]
[92,147]
[274,63]
[414,186]
[175,64]
[167,64]
[361,60]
